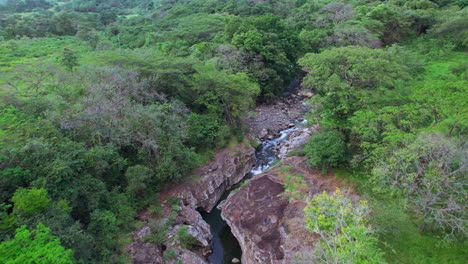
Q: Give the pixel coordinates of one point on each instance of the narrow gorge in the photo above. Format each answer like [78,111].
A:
[202,198]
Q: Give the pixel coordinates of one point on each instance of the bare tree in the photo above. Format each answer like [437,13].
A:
[335,13]
[431,173]
[33,80]
[346,35]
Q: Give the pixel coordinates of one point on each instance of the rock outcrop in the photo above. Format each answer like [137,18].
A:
[145,253]
[268,224]
[201,191]
[210,182]
[296,141]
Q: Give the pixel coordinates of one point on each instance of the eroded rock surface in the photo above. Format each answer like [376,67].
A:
[145,253]
[269,226]
[200,192]
[257,214]
[209,182]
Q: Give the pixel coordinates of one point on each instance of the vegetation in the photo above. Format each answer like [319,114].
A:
[326,150]
[36,246]
[346,236]
[105,103]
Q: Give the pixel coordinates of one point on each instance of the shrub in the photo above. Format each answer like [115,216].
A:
[326,150]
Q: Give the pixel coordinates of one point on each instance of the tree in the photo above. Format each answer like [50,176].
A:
[223,93]
[344,230]
[139,179]
[326,150]
[390,22]
[103,226]
[30,202]
[69,60]
[431,174]
[33,80]
[346,79]
[276,43]
[35,246]
[451,27]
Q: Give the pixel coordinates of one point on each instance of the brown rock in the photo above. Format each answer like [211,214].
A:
[270,228]
[145,253]
[251,210]
[263,134]
[233,165]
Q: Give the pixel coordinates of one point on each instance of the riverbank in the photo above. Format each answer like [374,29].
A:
[194,199]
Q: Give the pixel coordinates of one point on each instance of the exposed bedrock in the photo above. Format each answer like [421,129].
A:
[268,224]
[210,182]
[201,191]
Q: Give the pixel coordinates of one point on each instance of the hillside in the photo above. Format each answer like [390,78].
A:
[106,105]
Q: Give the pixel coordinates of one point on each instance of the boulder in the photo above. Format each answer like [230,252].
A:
[197,228]
[188,257]
[144,231]
[306,94]
[263,134]
[296,140]
[253,213]
[232,165]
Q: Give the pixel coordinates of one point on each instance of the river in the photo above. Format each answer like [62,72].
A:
[225,245]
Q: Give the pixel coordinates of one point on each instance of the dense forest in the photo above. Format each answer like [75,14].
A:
[105,103]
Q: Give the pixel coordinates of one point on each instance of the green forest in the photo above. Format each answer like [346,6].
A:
[104,103]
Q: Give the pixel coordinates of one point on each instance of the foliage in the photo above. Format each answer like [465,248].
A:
[295,186]
[347,78]
[69,59]
[30,202]
[34,246]
[161,84]
[430,172]
[346,236]
[398,229]
[184,237]
[222,93]
[326,150]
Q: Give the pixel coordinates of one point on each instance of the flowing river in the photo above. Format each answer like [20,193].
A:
[225,245]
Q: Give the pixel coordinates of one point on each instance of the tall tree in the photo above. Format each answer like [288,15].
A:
[69,60]
[347,79]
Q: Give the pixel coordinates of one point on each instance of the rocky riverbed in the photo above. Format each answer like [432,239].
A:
[267,120]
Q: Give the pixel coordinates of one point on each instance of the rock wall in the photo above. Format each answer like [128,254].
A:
[201,191]
[268,224]
[228,168]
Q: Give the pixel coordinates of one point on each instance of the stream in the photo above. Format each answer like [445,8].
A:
[225,245]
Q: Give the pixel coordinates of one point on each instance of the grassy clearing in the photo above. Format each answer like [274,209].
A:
[399,232]
[24,51]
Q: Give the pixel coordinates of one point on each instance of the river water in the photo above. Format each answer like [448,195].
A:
[225,245]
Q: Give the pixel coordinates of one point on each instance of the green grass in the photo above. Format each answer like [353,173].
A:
[24,51]
[399,232]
